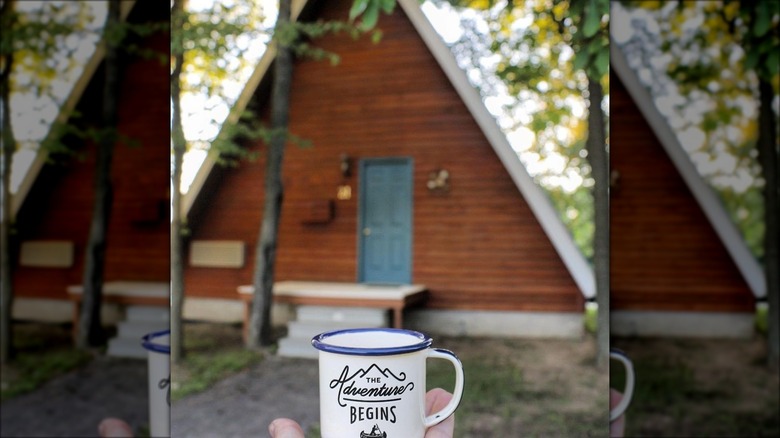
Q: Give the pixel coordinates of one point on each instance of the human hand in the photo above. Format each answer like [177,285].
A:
[618,427]
[435,400]
[114,428]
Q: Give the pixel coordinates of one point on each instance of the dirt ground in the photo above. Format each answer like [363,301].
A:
[530,388]
[709,387]
[514,387]
[74,403]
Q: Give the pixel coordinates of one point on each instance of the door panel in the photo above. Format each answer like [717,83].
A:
[385,234]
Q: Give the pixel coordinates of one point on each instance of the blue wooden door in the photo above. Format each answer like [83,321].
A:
[385,221]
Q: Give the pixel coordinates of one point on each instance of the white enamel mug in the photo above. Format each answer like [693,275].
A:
[157,345]
[628,391]
[372,383]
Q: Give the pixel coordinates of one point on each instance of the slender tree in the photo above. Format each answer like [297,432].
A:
[8,148]
[28,40]
[90,331]
[265,251]
[179,148]
[197,53]
[761,38]
[744,66]
[591,45]
[289,38]
[536,67]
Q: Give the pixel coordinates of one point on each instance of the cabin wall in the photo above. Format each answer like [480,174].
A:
[477,246]
[665,255]
[59,205]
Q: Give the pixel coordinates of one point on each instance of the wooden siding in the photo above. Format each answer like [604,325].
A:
[59,206]
[476,247]
[665,254]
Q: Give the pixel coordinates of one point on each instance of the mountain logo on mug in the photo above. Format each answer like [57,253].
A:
[375,433]
[364,388]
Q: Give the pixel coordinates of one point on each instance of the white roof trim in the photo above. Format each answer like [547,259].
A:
[556,231]
[545,213]
[706,197]
[70,102]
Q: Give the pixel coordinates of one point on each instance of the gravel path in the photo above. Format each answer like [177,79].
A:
[72,405]
[244,404]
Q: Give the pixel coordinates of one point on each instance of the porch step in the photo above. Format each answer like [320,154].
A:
[353,316]
[138,329]
[148,313]
[308,330]
[126,347]
[313,320]
[139,321]
[297,347]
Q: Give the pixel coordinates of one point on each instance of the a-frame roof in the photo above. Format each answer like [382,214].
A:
[704,194]
[67,107]
[540,204]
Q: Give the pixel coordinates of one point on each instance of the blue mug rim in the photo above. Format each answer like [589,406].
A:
[149,345]
[320,342]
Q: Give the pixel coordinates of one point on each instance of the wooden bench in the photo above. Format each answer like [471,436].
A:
[125,293]
[313,293]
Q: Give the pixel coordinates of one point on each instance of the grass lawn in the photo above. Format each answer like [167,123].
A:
[212,352]
[689,387]
[526,387]
[43,351]
[529,388]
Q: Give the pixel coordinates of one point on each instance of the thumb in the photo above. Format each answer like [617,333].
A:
[114,428]
[285,428]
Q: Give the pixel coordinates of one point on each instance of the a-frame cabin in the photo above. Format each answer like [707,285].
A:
[385,124]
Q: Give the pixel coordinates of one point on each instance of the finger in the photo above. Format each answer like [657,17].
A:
[616,428]
[436,399]
[114,428]
[445,429]
[615,397]
[285,428]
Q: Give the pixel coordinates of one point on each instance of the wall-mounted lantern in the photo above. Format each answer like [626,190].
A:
[344,191]
[439,181]
[346,166]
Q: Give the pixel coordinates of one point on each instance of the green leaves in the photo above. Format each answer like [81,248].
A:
[591,43]
[760,37]
[297,35]
[369,9]
[763,20]
[38,38]
[592,19]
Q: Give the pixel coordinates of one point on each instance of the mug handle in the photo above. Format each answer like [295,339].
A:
[628,391]
[448,410]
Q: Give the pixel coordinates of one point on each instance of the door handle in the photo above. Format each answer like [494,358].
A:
[366,231]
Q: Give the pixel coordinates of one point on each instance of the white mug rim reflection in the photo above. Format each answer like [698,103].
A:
[628,391]
[320,342]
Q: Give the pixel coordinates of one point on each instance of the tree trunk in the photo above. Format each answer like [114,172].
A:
[265,253]
[8,147]
[179,147]
[599,163]
[768,158]
[90,331]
